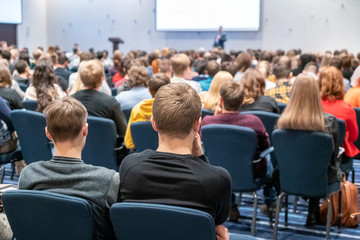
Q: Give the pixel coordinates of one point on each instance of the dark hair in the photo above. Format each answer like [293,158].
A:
[6,54]
[24,56]
[346,62]
[43,81]
[21,66]
[157,81]
[336,62]
[281,70]
[229,67]
[305,58]
[62,59]
[232,95]
[212,68]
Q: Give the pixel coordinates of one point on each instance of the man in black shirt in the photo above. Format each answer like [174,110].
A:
[61,67]
[97,103]
[177,173]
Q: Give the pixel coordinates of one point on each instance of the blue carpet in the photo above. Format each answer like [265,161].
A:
[294,231]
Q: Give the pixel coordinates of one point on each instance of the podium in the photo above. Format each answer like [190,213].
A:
[115,41]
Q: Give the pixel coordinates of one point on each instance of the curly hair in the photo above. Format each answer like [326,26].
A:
[331,84]
[253,84]
[43,82]
[138,76]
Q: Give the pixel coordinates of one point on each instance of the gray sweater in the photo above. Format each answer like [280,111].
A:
[70,176]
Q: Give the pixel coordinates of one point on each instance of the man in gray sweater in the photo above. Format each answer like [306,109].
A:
[66,173]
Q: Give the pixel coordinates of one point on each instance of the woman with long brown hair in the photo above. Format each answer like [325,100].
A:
[10,95]
[253,84]
[44,87]
[304,112]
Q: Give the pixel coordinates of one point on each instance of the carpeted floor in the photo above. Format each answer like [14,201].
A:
[295,230]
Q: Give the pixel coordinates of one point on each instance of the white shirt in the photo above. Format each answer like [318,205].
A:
[195,85]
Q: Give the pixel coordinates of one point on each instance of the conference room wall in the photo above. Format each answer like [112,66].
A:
[307,24]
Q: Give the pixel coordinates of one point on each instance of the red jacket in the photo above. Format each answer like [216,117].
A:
[346,112]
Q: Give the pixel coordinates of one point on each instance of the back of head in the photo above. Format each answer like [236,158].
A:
[331,83]
[138,76]
[264,68]
[157,81]
[346,62]
[303,113]
[179,63]
[285,60]
[176,108]
[232,95]
[253,85]
[243,61]
[165,65]
[37,54]
[65,118]
[85,56]
[212,68]
[336,62]
[281,71]
[5,76]
[21,66]
[91,73]
[305,58]
[6,54]
[311,67]
[229,67]
[25,57]
[62,59]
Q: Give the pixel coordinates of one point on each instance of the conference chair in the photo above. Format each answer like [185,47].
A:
[30,127]
[281,106]
[29,105]
[23,86]
[10,157]
[143,221]
[233,148]
[303,158]
[6,102]
[127,113]
[42,215]
[144,136]
[113,91]
[100,144]
[206,112]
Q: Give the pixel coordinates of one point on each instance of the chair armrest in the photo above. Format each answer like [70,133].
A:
[266,152]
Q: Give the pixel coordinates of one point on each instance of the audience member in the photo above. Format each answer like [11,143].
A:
[229,67]
[179,163]
[189,75]
[281,92]
[305,113]
[61,68]
[180,64]
[23,72]
[346,68]
[99,104]
[210,99]
[117,56]
[14,83]
[138,81]
[304,59]
[6,92]
[143,110]
[253,85]
[212,67]
[37,54]
[66,173]
[165,67]
[332,94]
[337,62]
[243,61]
[264,69]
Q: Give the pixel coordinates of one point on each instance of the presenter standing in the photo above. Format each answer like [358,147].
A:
[220,38]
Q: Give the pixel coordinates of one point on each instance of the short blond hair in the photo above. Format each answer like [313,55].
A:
[176,108]
[179,63]
[65,118]
[91,73]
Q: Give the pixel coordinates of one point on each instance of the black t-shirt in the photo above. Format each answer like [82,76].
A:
[261,103]
[178,180]
[99,104]
[11,96]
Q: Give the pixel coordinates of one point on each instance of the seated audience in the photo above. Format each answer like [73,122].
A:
[305,113]
[304,59]
[281,92]
[99,104]
[253,85]
[337,62]
[210,99]
[143,110]
[189,75]
[44,87]
[138,81]
[14,83]
[264,69]
[66,173]
[177,172]
[165,67]
[212,67]
[243,62]
[116,63]
[353,95]
[355,77]
[229,67]
[332,94]
[61,68]
[6,92]
[180,64]
[23,72]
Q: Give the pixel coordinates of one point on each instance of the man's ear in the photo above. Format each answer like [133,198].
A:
[197,125]
[48,134]
[153,124]
[85,129]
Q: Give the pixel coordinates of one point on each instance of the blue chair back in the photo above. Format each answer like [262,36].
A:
[141,221]
[127,113]
[30,127]
[206,112]
[303,158]
[41,215]
[29,105]
[233,148]
[100,144]
[144,136]
[342,130]
[23,86]
[281,106]
[357,142]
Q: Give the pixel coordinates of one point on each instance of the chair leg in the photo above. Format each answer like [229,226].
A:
[340,213]
[353,175]
[278,209]
[296,203]
[253,224]
[240,198]
[270,212]
[286,209]
[12,170]
[2,173]
[328,219]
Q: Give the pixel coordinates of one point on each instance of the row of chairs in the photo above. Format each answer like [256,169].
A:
[31,216]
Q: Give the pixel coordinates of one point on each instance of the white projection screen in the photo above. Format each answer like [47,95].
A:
[207,15]
[11,11]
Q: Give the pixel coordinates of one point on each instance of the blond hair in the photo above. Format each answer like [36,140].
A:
[211,98]
[264,68]
[179,63]
[304,110]
[91,73]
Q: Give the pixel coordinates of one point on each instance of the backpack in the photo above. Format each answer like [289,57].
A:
[349,206]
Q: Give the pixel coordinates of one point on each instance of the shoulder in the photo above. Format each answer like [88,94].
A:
[210,120]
